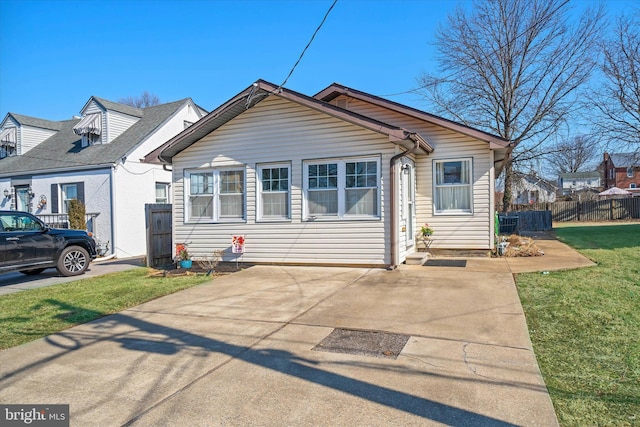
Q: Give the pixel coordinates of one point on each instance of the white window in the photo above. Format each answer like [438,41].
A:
[162,192]
[217,195]
[274,192]
[632,185]
[452,186]
[69,193]
[346,188]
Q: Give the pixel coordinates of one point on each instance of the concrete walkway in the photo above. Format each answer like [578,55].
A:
[240,351]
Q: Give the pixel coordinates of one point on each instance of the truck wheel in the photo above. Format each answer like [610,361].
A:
[33,271]
[73,260]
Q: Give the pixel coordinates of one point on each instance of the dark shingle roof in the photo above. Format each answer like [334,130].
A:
[121,108]
[36,122]
[64,150]
[623,160]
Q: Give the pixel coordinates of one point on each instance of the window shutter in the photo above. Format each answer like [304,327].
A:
[80,187]
[54,198]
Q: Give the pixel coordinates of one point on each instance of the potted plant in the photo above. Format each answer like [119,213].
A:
[185,258]
[426,230]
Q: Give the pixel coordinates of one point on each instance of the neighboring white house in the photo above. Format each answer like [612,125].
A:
[531,188]
[340,178]
[95,158]
[577,181]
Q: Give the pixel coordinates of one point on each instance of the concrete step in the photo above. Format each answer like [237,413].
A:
[417,258]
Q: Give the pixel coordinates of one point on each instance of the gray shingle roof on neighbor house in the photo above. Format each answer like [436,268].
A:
[36,122]
[121,108]
[64,150]
[623,160]
[580,175]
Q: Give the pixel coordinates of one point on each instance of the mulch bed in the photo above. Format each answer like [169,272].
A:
[221,269]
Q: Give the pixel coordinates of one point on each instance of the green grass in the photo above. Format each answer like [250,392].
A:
[585,327]
[28,315]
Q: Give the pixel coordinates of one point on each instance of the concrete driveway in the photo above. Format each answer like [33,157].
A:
[240,351]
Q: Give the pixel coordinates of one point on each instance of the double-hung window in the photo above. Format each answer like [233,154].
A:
[452,186]
[274,192]
[342,188]
[216,194]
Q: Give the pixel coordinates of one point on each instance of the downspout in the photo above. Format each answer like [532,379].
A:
[113,210]
[394,202]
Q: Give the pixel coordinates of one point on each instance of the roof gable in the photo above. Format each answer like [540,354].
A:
[334,90]
[259,91]
[107,105]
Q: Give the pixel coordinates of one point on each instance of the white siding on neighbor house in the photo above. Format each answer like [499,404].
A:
[28,137]
[170,128]
[274,131]
[471,231]
[97,194]
[116,124]
[134,187]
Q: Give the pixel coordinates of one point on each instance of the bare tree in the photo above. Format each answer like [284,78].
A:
[578,154]
[145,100]
[617,100]
[513,68]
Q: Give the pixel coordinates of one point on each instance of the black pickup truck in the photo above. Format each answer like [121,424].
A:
[30,246]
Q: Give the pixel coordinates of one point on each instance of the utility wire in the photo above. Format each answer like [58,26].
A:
[307,46]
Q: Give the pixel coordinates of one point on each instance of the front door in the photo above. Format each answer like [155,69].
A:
[23,198]
[408,203]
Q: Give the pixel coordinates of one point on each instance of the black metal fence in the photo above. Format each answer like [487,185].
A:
[591,210]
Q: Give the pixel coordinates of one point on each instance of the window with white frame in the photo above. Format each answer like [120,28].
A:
[69,193]
[345,188]
[162,192]
[630,172]
[452,190]
[216,194]
[274,191]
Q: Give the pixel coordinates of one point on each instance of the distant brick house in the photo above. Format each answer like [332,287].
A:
[621,170]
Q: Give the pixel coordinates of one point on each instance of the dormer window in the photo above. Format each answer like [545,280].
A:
[90,127]
[8,143]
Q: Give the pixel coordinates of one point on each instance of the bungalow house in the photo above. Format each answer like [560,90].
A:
[621,170]
[572,182]
[530,188]
[95,158]
[341,178]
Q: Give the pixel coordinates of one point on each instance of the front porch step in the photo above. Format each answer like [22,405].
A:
[417,258]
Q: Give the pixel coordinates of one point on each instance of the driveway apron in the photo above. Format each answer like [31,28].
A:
[245,349]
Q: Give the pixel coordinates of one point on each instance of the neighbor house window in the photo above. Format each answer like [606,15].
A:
[274,192]
[342,188]
[8,142]
[69,193]
[162,192]
[632,185]
[630,172]
[216,194]
[452,186]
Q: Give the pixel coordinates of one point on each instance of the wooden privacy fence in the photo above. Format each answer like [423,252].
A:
[591,210]
[159,245]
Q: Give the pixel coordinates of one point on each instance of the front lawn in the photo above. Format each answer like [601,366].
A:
[585,327]
[29,315]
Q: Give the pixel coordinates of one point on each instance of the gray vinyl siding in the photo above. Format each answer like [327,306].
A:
[274,131]
[450,231]
[29,137]
[117,123]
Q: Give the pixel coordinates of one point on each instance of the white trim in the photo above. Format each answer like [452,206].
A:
[341,188]
[260,167]
[460,212]
[215,195]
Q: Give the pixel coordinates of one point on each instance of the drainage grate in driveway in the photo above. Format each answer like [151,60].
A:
[446,263]
[365,343]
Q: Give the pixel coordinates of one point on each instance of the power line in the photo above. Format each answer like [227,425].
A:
[307,46]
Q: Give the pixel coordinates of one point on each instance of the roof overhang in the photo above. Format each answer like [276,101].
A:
[261,90]
[8,136]
[91,123]
[335,90]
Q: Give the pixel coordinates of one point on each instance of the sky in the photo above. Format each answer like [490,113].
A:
[56,54]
